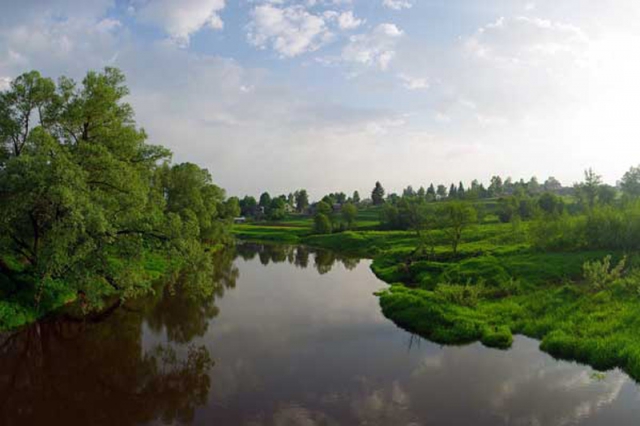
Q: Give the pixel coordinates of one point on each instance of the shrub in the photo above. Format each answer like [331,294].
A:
[321,224]
[464,295]
[599,274]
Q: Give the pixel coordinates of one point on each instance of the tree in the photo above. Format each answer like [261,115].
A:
[408,192]
[453,191]
[248,206]
[422,193]
[630,183]
[461,190]
[496,188]
[431,192]
[456,217]
[84,196]
[302,200]
[28,94]
[377,195]
[324,208]
[277,208]
[552,185]
[441,191]
[587,191]
[533,186]
[356,197]
[265,200]
[349,213]
[551,204]
[321,224]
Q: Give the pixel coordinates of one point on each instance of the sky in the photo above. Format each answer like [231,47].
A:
[333,95]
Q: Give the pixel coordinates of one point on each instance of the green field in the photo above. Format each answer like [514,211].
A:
[497,285]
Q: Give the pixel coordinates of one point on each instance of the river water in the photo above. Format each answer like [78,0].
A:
[290,337]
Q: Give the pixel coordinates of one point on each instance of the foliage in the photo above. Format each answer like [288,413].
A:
[349,214]
[456,217]
[83,196]
[377,195]
[599,274]
[322,224]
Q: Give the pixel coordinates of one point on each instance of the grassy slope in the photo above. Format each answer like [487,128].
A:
[498,286]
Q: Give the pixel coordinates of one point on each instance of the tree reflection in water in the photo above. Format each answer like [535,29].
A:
[100,371]
[299,256]
[103,371]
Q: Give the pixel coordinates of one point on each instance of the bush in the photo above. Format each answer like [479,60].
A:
[321,224]
[599,274]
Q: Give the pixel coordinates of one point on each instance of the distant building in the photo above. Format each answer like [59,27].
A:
[240,219]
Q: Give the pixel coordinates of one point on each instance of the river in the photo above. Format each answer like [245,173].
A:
[290,337]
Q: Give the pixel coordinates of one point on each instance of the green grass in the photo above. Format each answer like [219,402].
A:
[497,285]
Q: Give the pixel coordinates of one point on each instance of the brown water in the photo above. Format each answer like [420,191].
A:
[291,338]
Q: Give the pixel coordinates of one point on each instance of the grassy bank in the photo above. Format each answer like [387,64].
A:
[497,285]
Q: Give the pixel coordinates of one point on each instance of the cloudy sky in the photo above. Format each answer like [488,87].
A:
[335,94]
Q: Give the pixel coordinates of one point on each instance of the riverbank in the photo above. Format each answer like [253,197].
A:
[24,302]
[497,285]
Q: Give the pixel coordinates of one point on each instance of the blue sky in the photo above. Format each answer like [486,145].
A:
[332,95]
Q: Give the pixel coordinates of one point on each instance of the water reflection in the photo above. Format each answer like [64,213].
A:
[98,370]
[323,260]
[298,339]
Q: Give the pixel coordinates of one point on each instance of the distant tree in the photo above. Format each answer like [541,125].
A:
[408,192]
[349,213]
[461,190]
[630,183]
[533,186]
[496,188]
[248,206]
[551,204]
[291,200]
[377,195]
[265,200]
[302,200]
[607,195]
[431,192]
[324,208]
[552,185]
[441,191]
[356,197]
[322,224]
[329,199]
[277,208]
[456,217]
[587,191]
[340,197]
[422,193]
[508,186]
[232,208]
[453,191]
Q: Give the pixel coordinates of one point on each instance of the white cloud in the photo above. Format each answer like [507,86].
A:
[397,4]
[290,31]
[376,48]
[347,21]
[181,19]
[413,83]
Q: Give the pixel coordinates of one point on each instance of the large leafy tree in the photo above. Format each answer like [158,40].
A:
[82,194]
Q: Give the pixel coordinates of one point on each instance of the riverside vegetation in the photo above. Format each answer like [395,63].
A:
[88,209]
[554,263]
